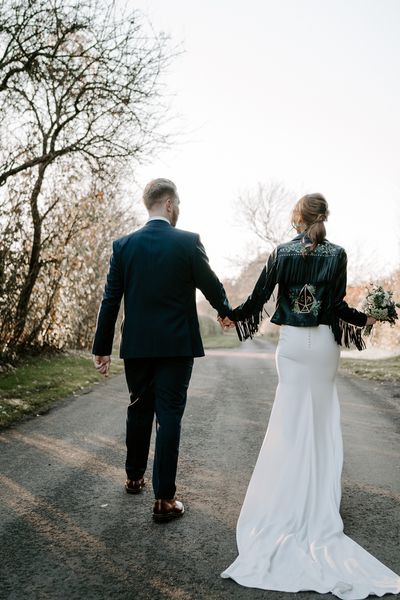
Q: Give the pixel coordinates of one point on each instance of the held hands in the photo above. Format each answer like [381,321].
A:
[102,364]
[225,323]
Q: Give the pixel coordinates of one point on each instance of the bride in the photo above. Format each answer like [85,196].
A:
[290,532]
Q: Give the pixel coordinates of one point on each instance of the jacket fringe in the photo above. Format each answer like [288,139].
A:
[306,268]
[346,334]
[247,328]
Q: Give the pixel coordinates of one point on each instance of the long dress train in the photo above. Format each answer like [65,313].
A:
[290,533]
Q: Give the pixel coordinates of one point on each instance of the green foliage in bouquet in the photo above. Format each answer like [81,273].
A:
[380,305]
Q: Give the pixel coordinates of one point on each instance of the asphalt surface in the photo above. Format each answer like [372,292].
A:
[69,531]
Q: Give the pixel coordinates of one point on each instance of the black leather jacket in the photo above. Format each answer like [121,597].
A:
[312,287]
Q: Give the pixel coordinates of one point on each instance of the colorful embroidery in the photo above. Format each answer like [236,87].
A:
[305,302]
[296,248]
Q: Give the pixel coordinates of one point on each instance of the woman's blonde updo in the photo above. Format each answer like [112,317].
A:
[308,216]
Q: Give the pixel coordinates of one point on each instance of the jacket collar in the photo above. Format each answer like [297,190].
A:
[158,223]
[301,236]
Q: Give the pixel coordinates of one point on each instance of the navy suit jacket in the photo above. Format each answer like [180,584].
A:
[157,270]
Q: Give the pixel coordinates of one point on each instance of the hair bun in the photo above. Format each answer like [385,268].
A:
[311,211]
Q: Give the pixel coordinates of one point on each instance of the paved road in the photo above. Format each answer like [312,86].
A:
[69,531]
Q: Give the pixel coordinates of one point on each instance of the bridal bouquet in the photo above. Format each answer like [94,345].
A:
[380,305]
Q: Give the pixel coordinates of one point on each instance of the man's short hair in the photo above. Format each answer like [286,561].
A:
[157,190]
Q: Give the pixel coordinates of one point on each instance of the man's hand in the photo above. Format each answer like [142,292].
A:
[226,323]
[371,321]
[102,364]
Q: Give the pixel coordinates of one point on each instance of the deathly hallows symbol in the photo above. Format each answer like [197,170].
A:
[306,299]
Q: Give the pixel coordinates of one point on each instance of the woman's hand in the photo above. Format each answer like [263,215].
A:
[371,321]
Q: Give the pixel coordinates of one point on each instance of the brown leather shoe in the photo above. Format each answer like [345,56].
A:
[134,487]
[165,510]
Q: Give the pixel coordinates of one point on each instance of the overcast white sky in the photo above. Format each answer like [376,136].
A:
[303,91]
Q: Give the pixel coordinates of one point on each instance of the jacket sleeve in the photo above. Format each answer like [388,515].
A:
[207,282]
[109,308]
[340,306]
[248,315]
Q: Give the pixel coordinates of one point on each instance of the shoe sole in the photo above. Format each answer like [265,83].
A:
[138,491]
[160,518]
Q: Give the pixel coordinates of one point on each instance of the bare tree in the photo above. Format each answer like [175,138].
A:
[96,93]
[29,34]
[266,212]
[81,89]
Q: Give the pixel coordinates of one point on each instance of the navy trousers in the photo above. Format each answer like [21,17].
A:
[157,386]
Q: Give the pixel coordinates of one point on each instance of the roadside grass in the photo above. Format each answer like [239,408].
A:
[382,369]
[229,339]
[37,382]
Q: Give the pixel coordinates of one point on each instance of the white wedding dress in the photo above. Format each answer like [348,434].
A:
[290,533]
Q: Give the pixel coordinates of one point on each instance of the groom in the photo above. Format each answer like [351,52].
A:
[157,270]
